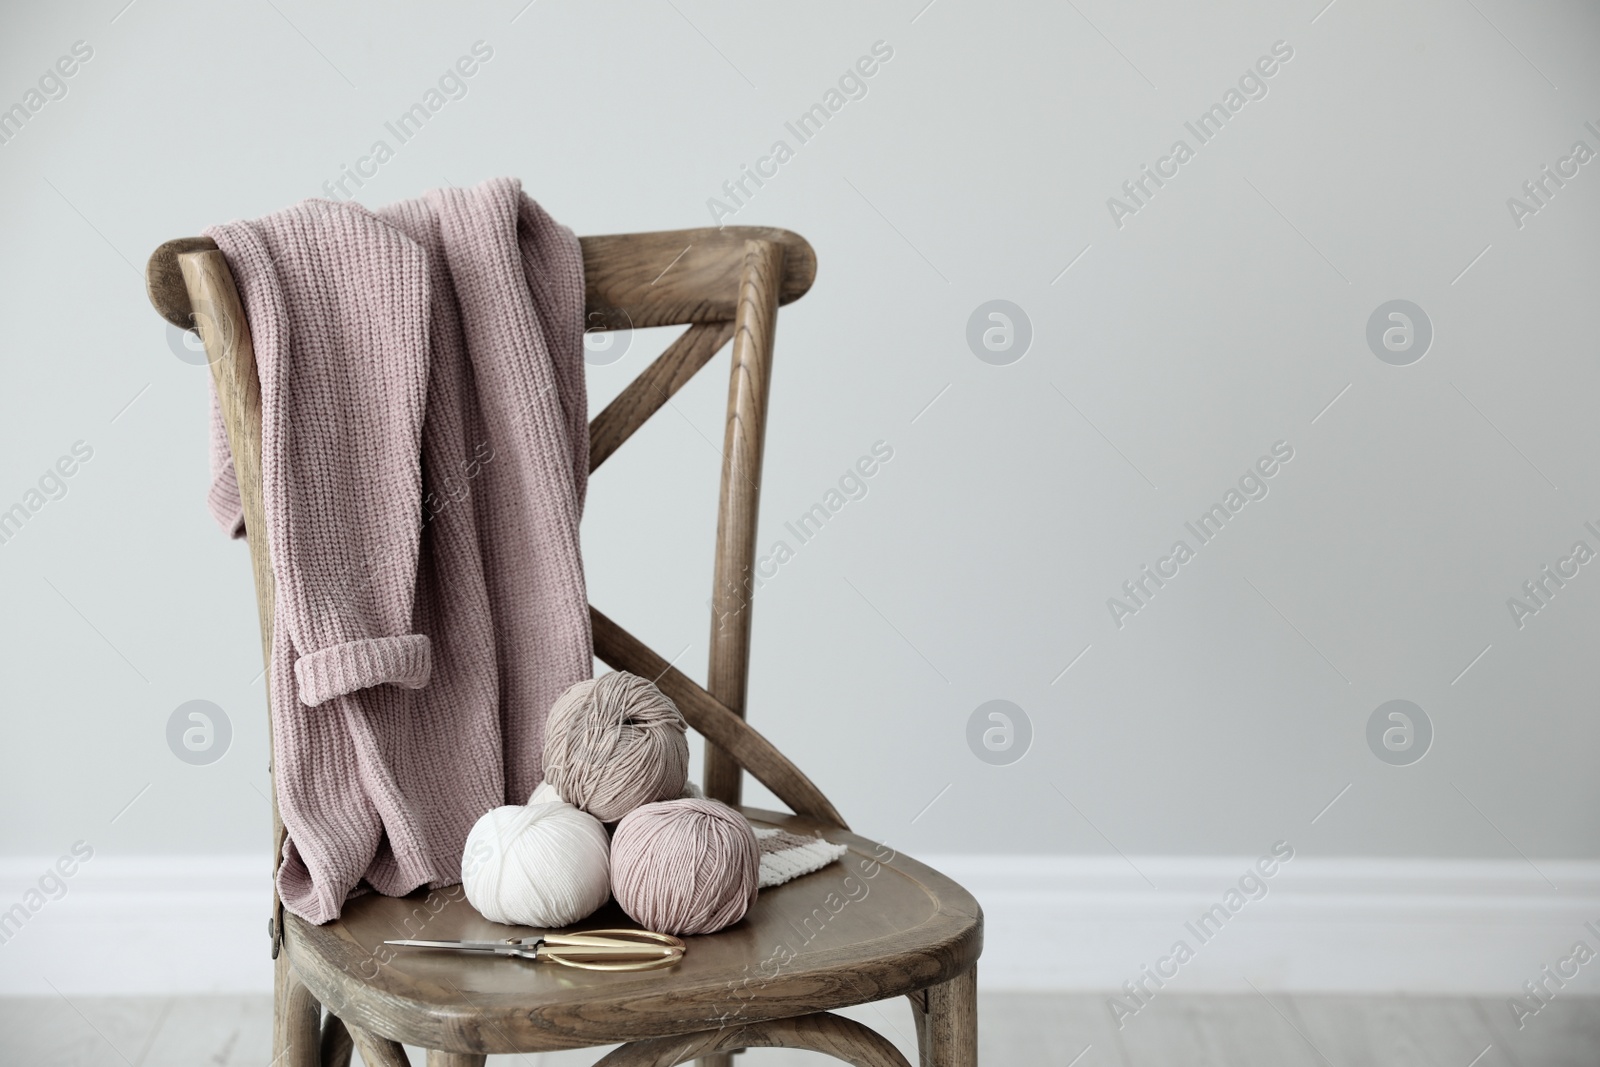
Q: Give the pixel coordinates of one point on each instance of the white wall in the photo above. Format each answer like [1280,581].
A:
[1222,317]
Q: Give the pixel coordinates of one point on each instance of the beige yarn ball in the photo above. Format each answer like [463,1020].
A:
[689,866]
[615,743]
[543,865]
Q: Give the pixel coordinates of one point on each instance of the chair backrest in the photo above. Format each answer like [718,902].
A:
[724,284]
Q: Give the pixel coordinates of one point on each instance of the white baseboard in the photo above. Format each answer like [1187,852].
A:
[140,925]
[1331,925]
[155,925]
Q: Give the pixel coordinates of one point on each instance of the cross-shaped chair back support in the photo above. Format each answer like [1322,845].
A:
[723,284]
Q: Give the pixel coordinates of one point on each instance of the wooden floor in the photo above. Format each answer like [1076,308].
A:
[1047,1030]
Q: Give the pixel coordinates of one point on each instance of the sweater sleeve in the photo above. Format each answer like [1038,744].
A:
[227,510]
[337,302]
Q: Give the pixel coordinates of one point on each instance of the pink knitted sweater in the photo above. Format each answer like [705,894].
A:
[425,454]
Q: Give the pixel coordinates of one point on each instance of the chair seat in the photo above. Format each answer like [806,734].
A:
[872,926]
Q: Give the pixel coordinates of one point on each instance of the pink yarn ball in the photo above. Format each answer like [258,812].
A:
[687,866]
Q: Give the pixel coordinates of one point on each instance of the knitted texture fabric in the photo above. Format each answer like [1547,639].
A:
[425,456]
[786,856]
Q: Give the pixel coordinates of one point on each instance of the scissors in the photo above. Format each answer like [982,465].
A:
[591,950]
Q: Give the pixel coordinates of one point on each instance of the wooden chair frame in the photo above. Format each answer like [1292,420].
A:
[724,284]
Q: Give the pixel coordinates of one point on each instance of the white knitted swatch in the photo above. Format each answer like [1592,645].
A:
[785,855]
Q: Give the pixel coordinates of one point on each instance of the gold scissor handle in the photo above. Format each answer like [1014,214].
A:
[612,950]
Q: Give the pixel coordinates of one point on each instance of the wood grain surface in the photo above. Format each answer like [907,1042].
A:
[872,926]
[732,584]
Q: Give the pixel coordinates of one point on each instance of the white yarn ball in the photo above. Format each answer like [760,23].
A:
[543,865]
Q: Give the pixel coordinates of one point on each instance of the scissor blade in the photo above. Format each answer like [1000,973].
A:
[460,946]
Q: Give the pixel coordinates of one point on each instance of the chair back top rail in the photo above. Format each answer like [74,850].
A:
[631,280]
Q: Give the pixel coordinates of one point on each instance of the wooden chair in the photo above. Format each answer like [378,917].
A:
[874,926]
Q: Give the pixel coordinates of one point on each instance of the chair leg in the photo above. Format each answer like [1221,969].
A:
[337,1044]
[947,1030]
[455,1059]
[377,1051]
[919,1021]
[297,1019]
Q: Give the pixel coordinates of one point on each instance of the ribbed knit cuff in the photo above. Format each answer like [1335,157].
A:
[329,672]
[222,499]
